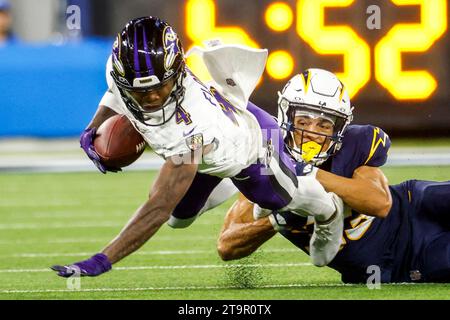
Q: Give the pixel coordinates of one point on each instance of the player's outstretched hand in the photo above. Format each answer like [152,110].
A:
[87,144]
[94,266]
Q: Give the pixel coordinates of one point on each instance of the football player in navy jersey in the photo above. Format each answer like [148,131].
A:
[403,229]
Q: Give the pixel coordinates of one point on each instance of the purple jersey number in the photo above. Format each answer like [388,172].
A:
[226,106]
[182,116]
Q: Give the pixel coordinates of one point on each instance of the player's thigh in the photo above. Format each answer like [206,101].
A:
[434,200]
[221,193]
[436,259]
[193,201]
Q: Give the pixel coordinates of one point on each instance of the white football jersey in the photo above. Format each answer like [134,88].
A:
[235,134]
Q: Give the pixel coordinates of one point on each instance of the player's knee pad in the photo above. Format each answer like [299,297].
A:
[178,223]
[436,262]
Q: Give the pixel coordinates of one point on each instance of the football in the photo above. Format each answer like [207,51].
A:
[118,143]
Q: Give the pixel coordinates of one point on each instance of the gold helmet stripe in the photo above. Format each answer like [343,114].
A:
[306,81]
[342,92]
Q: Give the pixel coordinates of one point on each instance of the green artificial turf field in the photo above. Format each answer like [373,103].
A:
[59,218]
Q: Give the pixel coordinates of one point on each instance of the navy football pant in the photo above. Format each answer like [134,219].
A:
[436,259]
[434,200]
[431,228]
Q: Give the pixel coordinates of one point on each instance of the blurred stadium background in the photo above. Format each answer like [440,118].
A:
[398,75]
[52,76]
[393,58]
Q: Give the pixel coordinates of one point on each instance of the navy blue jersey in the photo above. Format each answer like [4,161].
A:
[411,244]
[361,145]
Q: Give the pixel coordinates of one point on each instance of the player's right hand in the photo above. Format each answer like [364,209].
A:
[91,267]
[87,144]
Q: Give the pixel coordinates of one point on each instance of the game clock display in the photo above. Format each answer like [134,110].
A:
[392,55]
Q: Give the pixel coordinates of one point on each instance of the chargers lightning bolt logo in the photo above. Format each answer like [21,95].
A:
[376,143]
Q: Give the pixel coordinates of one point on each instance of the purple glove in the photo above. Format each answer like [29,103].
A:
[87,144]
[91,267]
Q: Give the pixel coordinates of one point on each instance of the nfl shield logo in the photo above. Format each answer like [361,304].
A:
[195,142]
[415,275]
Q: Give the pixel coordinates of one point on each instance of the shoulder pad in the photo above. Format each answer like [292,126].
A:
[372,144]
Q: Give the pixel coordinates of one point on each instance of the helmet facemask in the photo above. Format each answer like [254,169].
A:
[316,94]
[146,56]
[159,115]
[311,151]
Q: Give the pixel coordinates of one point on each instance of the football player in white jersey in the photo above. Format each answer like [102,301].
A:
[205,134]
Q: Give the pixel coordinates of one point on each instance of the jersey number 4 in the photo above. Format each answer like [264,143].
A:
[182,116]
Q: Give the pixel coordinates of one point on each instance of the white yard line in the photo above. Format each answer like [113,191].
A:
[98,240]
[76,254]
[142,253]
[81,224]
[36,216]
[201,266]
[269,286]
[266,286]
[59,225]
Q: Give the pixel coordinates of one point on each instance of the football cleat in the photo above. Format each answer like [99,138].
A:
[327,237]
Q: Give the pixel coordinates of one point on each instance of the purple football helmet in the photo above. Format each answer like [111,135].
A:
[145,56]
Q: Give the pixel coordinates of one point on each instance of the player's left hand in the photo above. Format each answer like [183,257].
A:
[87,144]
[91,267]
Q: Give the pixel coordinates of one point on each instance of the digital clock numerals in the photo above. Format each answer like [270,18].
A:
[337,40]
[406,85]
[201,26]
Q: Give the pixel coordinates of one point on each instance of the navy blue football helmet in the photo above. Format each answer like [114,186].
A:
[145,56]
